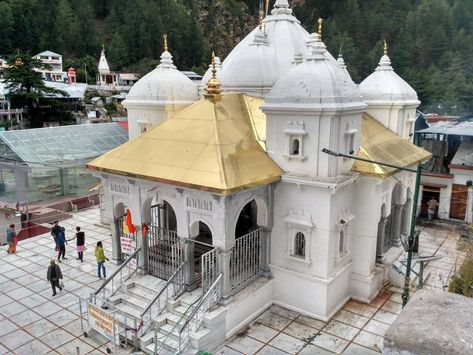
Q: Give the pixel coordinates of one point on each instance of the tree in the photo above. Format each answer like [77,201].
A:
[6,23]
[25,84]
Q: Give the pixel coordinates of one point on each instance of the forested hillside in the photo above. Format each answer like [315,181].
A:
[431,41]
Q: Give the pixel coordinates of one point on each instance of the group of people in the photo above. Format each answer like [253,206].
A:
[54,274]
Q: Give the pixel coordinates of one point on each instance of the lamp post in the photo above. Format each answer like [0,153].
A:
[410,248]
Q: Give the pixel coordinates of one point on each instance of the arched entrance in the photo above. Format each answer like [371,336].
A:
[165,249]
[246,261]
[204,263]
[247,220]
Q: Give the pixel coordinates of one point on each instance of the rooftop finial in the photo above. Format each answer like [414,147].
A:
[260,23]
[340,51]
[103,47]
[266,7]
[213,91]
[165,37]
[319,29]
[385,47]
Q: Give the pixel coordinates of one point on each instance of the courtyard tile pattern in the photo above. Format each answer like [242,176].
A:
[356,329]
[31,320]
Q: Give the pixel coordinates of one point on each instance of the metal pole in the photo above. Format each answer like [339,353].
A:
[405,294]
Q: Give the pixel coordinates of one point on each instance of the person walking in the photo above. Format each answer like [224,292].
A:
[80,239]
[431,208]
[100,256]
[61,244]
[54,275]
[11,239]
[54,232]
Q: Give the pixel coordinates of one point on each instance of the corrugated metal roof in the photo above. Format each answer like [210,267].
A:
[450,128]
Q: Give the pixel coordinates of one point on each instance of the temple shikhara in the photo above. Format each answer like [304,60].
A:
[235,206]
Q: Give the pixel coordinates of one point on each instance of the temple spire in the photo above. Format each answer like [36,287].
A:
[165,38]
[385,51]
[319,29]
[213,91]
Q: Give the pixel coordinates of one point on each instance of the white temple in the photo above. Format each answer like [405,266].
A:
[233,199]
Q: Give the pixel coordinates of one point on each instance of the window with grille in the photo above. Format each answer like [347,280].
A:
[299,245]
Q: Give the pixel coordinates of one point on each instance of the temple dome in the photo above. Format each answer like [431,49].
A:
[164,85]
[317,82]
[385,86]
[254,67]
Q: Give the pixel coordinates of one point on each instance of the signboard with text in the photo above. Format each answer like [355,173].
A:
[128,243]
[102,322]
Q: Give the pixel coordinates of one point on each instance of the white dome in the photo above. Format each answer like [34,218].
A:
[164,85]
[318,82]
[254,67]
[385,86]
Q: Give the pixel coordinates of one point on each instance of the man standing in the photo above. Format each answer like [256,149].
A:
[61,245]
[100,256]
[431,208]
[54,275]
[55,231]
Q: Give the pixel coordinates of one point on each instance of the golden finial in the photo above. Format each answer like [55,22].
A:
[260,24]
[165,37]
[266,7]
[319,30]
[385,47]
[213,91]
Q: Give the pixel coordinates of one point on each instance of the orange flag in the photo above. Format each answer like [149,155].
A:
[129,224]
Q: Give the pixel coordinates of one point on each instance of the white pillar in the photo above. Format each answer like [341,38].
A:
[469,206]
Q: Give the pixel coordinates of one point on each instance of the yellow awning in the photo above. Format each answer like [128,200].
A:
[381,144]
[211,146]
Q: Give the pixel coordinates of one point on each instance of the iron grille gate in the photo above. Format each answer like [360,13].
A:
[165,252]
[246,261]
[165,248]
[210,268]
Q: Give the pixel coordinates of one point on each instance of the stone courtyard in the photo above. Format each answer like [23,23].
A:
[34,322]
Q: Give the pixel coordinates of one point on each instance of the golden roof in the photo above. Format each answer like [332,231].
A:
[215,146]
[381,144]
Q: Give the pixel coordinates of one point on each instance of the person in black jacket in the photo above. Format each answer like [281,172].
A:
[54,275]
[55,232]
[80,239]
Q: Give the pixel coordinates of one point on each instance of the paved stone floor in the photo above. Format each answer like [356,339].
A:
[34,322]
[31,320]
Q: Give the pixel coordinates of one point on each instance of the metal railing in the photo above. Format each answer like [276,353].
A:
[158,303]
[246,260]
[207,302]
[123,273]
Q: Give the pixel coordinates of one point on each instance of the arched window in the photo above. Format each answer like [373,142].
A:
[299,245]
[295,146]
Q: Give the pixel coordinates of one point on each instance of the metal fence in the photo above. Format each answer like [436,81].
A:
[165,252]
[209,269]
[246,260]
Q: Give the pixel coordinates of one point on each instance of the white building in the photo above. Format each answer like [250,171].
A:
[111,80]
[233,193]
[54,60]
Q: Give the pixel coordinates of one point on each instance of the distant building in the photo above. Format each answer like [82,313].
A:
[54,60]
[12,118]
[113,80]
[447,176]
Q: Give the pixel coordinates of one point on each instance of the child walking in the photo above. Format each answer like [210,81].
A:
[100,256]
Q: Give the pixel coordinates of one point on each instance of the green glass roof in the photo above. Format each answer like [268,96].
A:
[60,146]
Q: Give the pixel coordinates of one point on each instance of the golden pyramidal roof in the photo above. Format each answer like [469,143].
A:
[212,145]
[381,144]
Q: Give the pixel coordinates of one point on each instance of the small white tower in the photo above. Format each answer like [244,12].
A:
[158,95]
[104,69]
[391,100]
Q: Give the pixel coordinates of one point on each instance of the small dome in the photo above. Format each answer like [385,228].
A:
[254,70]
[165,84]
[317,82]
[385,86]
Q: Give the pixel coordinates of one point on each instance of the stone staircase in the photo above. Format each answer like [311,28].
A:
[169,323]
[134,295]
